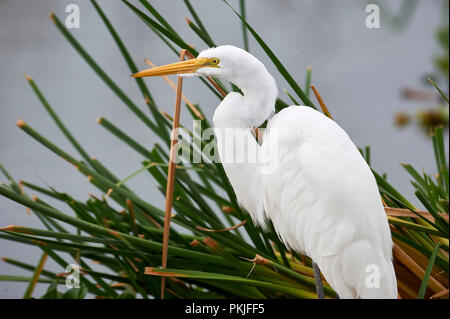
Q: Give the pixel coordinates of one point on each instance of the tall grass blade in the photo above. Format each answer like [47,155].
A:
[423,286]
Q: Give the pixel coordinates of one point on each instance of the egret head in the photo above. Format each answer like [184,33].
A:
[226,62]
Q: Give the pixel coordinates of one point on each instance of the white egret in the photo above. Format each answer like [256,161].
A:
[319,193]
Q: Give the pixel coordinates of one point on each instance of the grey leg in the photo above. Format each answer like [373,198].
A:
[318,279]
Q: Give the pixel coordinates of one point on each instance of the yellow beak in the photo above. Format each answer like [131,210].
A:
[189,66]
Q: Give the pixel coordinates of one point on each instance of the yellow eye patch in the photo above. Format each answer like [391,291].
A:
[214,62]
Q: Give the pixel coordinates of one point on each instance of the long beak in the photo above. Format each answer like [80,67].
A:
[189,66]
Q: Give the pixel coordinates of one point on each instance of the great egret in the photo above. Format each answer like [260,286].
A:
[319,193]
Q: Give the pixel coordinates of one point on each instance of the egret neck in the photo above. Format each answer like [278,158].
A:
[251,108]
[238,149]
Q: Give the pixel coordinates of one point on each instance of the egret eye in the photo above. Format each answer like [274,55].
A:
[214,61]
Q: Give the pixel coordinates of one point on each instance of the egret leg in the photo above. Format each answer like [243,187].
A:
[318,279]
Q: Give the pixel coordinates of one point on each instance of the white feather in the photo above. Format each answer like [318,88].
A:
[319,192]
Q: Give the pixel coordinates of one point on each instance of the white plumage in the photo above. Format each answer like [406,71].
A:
[317,189]
[327,203]
[310,179]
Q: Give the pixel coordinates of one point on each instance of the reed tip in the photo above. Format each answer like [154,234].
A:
[29,78]
[211,243]
[194,243]
[113,232]
[108,193]
[20,123]
[227,209]
[148,270]
[8,228]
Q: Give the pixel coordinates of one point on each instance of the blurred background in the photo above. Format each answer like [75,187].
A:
[372,80]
